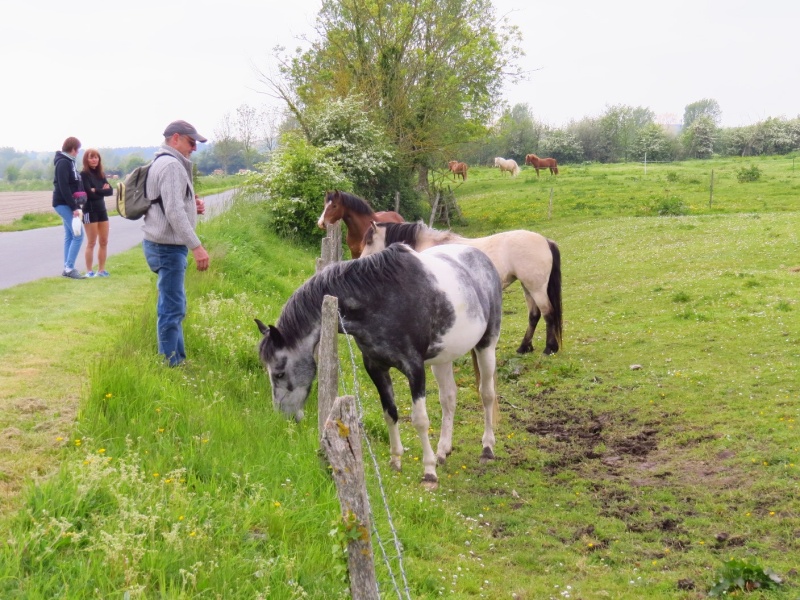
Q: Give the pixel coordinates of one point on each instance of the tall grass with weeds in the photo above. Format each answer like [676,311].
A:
[657,446]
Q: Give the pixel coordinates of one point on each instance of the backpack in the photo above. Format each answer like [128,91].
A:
[132,201]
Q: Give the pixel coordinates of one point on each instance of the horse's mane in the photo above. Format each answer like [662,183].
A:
[364,278]
[355,203]
[410,233]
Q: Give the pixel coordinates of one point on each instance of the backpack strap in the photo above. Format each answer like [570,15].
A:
[156,200]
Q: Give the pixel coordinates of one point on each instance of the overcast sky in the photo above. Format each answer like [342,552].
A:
[115,74]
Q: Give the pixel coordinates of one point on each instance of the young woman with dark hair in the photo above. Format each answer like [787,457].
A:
[95,215]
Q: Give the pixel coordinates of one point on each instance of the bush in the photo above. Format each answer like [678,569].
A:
[671,207]
[744,174]
[296,180]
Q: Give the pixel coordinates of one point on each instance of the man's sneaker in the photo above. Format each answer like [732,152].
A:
[91,274]
[103,273]
[73,274]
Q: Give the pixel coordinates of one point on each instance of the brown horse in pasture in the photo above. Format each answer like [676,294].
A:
[542,163]
[356,213]
[458,168]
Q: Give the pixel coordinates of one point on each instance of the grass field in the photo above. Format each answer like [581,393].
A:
[658,445]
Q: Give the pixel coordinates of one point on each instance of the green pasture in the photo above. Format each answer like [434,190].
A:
[657,446]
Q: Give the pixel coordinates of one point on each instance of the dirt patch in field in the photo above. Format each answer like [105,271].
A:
[623,456]
[14,205]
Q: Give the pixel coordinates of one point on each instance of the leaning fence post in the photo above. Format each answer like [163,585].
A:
[342,444]
[433,211]
[550,206]
[328,370]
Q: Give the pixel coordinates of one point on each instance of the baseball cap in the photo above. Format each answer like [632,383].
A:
[183,128]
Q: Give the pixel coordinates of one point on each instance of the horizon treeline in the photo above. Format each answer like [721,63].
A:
[621,134]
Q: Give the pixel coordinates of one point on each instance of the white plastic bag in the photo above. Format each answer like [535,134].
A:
[77,224]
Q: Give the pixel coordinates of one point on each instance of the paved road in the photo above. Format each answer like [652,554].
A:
[37,253]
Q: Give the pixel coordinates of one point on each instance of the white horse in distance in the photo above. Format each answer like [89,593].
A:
[509,165]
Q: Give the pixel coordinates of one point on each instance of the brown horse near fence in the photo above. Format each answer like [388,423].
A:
[356,213]
[458,168]
[542,163]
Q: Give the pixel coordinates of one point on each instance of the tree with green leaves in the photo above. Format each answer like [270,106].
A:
[653,142]
[429,71]
[562,145]
[698,139]
[519,133]
[13,173]
[295,180]
[702,108]
[620,126]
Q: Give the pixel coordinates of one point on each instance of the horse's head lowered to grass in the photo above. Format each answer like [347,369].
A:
[291,373]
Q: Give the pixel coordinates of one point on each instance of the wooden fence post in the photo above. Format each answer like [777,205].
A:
[328,360]
[397,202]
[711,192]
[331,250]
[335,234]
[434,209]
[550,206]
[342,444]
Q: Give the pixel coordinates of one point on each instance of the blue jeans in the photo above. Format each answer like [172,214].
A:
[169,263]
[72,243]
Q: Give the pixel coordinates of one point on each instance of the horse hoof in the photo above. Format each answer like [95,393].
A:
[549,351]
[525,348]
[440,459]
[395,466]
[430,481]
[487,454]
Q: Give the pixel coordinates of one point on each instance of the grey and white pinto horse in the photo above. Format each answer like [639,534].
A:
[405,309]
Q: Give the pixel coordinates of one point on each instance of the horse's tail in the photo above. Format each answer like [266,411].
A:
[516,169]
[555,167]
[554,291]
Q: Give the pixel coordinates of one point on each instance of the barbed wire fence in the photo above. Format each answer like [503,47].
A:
[341,426]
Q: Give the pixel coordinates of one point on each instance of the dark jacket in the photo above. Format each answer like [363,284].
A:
[95,201]
[66,181]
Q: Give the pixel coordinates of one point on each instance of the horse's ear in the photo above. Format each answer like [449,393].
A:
[271,332]
[369,234]
[261,327]
[276,337]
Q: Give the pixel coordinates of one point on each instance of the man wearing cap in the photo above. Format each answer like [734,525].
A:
[169,233]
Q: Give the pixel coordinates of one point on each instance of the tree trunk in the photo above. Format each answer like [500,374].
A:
[422,179]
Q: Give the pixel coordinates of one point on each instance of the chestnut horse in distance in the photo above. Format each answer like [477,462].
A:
[458,168]
[357,215]
[542,163]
